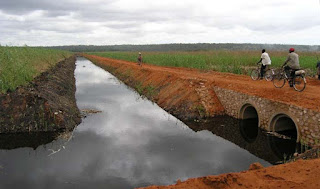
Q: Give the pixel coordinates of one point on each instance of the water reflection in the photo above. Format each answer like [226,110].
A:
[283,148]
[131,143]
[247,135]
[249,129]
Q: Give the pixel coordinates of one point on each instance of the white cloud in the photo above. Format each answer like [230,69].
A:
[144,22]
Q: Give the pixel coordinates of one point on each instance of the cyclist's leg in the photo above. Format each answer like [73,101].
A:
[293,72]
[287,70]
[266,68]
[262,70]
[292,75]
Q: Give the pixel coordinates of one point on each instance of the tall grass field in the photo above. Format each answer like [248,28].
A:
[238,62]
[19,65]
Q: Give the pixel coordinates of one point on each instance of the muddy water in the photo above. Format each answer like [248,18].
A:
[131,143]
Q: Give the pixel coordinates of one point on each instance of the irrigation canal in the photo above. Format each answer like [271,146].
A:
[131,143]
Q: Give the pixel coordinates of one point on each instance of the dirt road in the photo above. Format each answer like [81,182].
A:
[309,98]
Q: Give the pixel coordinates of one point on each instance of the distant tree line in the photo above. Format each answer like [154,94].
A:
[186,47]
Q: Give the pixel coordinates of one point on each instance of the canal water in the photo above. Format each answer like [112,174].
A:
[131,143]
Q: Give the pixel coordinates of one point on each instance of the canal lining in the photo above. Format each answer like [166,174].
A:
[284,125]
[249,122]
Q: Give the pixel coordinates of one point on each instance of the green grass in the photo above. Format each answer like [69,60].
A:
[19,65]
[238,62]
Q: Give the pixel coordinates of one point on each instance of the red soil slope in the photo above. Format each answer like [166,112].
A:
[309,98]
[297,175]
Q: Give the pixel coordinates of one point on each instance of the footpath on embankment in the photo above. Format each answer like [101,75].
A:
[174,85]
[189,94]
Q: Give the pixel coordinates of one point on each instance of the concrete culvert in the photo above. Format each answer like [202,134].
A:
[284,125]
[249,123]
[248,112]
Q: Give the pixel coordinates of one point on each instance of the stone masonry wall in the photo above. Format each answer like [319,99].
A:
[307,121]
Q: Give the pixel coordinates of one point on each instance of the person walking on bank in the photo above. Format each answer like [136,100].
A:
[291,64]
[318,69]
[266,62]
[140,59]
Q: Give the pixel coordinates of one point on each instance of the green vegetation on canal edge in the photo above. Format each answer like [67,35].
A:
[19,65]
[238,62]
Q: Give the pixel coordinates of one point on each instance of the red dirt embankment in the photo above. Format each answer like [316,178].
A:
[186,97]
[300,174]
[186,93]
[204,80]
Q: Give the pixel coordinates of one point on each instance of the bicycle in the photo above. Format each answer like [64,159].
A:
[270,73]
[298,82]
[256,73]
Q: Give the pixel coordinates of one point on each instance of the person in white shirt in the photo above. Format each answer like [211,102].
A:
[265,60]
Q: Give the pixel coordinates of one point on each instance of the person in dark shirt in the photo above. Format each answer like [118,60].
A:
[318,69]
[140,59]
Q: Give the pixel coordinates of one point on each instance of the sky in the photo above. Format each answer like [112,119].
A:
[115,22]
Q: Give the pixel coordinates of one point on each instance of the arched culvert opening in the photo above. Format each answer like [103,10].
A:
[249,123]
[284,125]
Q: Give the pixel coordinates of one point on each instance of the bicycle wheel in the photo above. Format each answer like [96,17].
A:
[299,83]
[255,75]
[279,80]
[268,75]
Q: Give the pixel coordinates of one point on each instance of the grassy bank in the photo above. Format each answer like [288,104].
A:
[238,62]
[19,65]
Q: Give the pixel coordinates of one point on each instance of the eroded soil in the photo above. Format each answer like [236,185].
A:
[45,104]
[299,174]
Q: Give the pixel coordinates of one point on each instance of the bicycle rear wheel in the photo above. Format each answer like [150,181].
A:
[268,75]
[279,80]
[299,83]
[255,75]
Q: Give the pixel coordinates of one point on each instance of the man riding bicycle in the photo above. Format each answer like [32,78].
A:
[291,65]
[265,60]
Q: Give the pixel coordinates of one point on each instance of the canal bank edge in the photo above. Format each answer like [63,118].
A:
[196,101]
[46,104]
[294,175]
[189,98]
